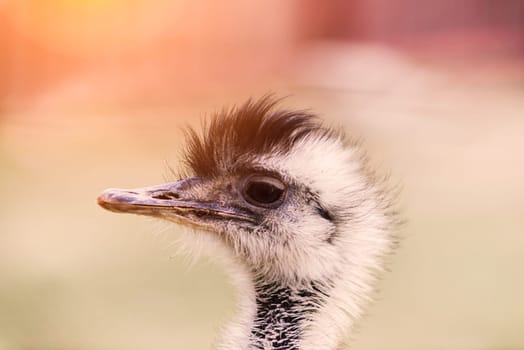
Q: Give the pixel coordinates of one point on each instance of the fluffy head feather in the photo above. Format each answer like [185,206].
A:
[303,219]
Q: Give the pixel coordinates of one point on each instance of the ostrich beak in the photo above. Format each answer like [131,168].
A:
[173,201]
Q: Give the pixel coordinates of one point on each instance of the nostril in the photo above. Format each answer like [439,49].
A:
[166,195]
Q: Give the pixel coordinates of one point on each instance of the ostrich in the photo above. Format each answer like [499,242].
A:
[304,222]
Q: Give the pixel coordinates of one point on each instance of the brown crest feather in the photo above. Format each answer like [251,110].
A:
[253,129]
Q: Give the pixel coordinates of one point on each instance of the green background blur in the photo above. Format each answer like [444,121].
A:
[93,95]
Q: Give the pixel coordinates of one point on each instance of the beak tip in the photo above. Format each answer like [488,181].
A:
[103,200]
[108,199]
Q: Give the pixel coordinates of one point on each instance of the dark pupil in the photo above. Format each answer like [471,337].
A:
[263,192]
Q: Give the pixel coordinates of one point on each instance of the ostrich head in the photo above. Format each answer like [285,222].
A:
[298,211]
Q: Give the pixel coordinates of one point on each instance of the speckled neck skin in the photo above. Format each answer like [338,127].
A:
[283,312]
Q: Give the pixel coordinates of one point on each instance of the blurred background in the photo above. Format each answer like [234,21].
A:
[93,95]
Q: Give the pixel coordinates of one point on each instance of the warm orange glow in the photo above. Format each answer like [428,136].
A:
[79,27]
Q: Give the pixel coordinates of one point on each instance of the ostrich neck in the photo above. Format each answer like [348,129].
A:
[277,314]
[283,312]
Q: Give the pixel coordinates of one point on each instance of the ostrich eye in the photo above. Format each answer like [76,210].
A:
[264,191]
